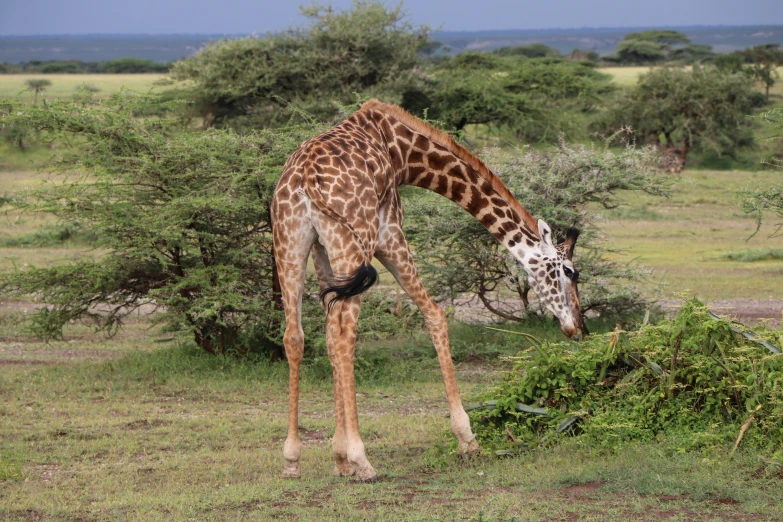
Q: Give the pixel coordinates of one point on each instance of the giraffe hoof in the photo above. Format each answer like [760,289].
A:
[366,474]
[291,470]
[469,450]
[343,471]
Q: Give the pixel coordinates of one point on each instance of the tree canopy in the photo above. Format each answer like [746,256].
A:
[658,46]
[680,110]
[369,48]
[535,99]
[760,202]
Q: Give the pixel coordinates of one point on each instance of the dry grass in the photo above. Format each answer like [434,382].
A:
[64,85]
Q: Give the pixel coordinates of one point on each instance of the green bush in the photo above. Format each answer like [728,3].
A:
[182,216]
[696,378]
[760,202]
[535,100]
[369,48]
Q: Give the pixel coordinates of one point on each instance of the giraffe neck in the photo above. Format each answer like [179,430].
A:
[424,157]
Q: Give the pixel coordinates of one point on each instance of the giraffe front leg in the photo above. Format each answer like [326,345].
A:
[399,262]
[437,325]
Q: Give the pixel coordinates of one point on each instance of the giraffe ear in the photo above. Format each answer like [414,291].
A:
[545,233]
[570,241]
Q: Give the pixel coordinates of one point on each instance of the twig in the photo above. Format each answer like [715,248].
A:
[743,429]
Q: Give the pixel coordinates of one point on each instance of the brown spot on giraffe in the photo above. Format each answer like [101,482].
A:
[337,200]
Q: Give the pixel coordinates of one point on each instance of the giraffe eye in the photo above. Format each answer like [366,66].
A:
[568,272]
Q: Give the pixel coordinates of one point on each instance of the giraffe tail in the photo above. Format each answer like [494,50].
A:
[355,284]
[365,276]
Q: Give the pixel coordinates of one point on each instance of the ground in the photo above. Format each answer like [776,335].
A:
[98,430]
[134,428]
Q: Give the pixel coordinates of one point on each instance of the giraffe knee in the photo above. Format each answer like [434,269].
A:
[434,317]
[293,339]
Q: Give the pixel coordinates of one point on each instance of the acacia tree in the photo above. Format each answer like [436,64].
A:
[680,110]
[37,85]
[460,258]
[182,216]
[764,61]
[250,82]
[648,47]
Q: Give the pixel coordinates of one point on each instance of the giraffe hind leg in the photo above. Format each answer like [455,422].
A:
[291,258]
[342,467]
[341,321]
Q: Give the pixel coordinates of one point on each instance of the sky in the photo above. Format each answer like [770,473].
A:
[37,17]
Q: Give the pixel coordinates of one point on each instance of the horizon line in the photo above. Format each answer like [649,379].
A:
[582,28]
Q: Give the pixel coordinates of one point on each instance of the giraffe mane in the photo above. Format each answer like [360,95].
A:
[443,139]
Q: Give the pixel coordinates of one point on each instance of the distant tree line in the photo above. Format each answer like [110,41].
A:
[117,66]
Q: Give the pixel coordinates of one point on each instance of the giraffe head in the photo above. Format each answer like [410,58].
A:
[553,278]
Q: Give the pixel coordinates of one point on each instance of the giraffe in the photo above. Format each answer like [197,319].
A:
[337,199]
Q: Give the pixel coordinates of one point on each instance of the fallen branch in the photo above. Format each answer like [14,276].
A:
[743,429]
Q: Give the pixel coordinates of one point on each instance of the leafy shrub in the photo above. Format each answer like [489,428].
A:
[536,99]
[696,376]
[182,217]
[759,201]
[369,48]
[682,111]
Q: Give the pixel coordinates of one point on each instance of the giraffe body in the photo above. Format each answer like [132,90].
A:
[338,199]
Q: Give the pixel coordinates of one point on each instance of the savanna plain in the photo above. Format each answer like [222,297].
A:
[133,428]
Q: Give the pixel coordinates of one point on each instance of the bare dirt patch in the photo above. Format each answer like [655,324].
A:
[582,490]
[44,472]
[307,436]
[749,311]
[144,424]
[26,514]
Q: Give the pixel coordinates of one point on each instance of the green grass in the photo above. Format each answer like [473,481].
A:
[685,237]
[628,76]
[127,429]
[752,255]
[65,85]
